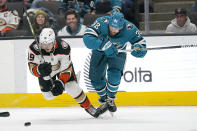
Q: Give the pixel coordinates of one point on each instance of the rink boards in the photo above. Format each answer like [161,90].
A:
[163,77]
[180,98]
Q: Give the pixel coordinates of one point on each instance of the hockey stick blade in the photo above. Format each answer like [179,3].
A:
[4,114]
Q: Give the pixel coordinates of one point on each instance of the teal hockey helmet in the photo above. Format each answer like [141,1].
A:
[116,20]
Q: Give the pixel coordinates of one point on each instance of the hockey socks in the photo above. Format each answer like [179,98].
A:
[87,105]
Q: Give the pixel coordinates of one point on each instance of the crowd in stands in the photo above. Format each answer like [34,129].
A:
[65,17]
[71,17]
[73,26]
[181,23]
[9,19]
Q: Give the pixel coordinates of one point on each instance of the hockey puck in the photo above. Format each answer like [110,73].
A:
[27,124]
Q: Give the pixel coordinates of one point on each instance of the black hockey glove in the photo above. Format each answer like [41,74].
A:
[45,69]
[58,88]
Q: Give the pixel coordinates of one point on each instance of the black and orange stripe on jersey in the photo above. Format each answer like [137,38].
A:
[33,69]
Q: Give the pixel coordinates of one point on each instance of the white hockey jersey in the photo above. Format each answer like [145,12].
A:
[9,20]
[65,31]
[59,59]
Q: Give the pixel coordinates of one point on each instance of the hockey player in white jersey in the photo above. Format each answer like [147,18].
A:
[9,18]
[50,61]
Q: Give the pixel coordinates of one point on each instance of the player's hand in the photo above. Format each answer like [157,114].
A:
[45,69]
[58,88]
[109,49]
[138,50]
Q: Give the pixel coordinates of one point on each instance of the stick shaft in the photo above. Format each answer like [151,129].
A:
[34,35]
[161,48]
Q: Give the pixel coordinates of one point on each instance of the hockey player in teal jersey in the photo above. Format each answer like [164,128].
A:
[105,36]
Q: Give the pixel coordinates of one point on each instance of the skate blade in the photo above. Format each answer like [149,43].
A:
[111,113]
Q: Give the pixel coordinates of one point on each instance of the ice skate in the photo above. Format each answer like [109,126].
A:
[93,112]
[111,105]
[103,107]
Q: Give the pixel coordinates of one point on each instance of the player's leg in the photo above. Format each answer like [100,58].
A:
[97,72]
[114,74]
[73,89]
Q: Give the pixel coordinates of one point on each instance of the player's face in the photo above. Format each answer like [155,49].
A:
[40,19]
[113,31]
[181,19]
[71,21]
[2,2]
[48,47]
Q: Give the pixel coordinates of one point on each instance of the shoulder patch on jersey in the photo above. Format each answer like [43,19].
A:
[104,20]
[15,12]
[63,48]
[2,22]
[64,44]
[129,26]
[35,46]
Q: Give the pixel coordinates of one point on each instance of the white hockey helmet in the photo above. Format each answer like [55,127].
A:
[47,36]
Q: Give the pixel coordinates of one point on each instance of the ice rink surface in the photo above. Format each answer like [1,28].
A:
[172,118]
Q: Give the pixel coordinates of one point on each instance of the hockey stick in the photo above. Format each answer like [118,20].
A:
[161,48]
[4,114]
[35,37]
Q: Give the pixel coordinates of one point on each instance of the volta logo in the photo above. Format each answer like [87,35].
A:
[138,75]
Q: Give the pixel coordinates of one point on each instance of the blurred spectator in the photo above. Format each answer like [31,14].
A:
[9,19]
[194,7]
[41,18]
[28,1]
[181,24]
[141,6]
[90,6]
[129,9]
[106,6]
[81,7]
[73,26]
[193,13]
[127,4]
[40,21]
[35,3]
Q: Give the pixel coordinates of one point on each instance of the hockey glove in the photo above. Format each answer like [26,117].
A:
[45,69]
[109,49]
[58,88]
[138,50]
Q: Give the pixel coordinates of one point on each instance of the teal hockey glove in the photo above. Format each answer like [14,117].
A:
[109,49]
[138,50]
